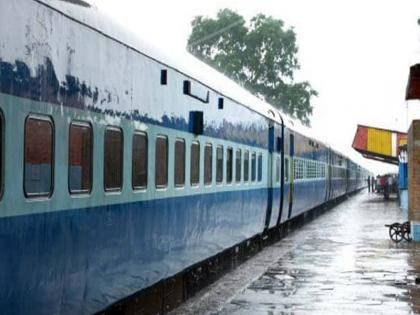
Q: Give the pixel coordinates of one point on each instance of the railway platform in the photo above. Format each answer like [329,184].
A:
[341,262]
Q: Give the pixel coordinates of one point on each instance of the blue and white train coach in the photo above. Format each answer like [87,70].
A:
[120,168]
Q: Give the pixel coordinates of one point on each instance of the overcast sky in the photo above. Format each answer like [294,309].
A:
[355,53]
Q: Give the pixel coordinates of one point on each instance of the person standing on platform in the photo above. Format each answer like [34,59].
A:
[368,182]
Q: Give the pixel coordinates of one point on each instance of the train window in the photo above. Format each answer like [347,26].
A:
[139,161]
[311,169]
[299,169]
[179,170]
[286,170]
[113,159]
[322,170]
[161,162]
[80,158]
[229,165]
[260,167]
[238,165]
[219,164]
[277,170]
[253,166]
[221,102]
[314,171]
[164,77]
[246,166]
[208,164]
[195,163]
[39,150]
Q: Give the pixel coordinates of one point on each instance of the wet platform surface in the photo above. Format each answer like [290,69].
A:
[343,262]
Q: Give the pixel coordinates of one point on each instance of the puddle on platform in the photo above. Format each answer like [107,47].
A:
[341,263]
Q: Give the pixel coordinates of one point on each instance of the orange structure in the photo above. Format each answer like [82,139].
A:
[379,144]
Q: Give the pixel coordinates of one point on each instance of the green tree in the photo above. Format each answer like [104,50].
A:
[260,55]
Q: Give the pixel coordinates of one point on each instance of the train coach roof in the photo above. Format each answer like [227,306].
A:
[88,13]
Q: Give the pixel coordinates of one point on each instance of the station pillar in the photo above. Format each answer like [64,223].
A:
[402,183]
[414,179]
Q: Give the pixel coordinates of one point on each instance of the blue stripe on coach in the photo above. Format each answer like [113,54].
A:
[83,255]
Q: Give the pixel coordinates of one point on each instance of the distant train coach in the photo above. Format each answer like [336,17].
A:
[120,168]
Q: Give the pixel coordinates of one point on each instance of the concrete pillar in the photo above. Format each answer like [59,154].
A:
[403,180]
[414,179]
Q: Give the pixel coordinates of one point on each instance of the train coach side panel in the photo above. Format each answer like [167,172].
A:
[74,255]
[309,175]
[78,254]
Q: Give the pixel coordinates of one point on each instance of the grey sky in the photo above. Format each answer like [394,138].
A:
[356,53]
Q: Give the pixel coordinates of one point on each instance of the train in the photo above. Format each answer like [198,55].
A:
[122,166]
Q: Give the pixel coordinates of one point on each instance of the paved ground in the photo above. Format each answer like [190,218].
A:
[341,263]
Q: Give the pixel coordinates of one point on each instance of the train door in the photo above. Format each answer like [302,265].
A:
[292,173]
[329,174]
[274,176]
[270,182]
[280,163]
[348,183]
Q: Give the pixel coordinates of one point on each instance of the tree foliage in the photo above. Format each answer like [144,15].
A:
[259,55]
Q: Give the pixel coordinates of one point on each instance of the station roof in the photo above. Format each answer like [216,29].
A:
[379,144]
